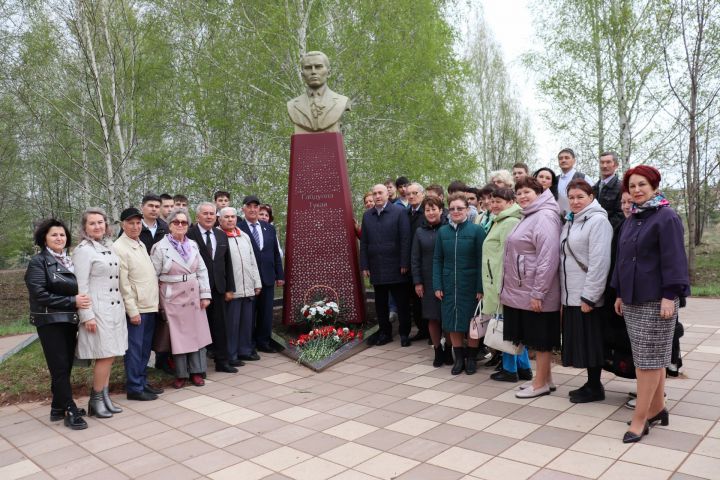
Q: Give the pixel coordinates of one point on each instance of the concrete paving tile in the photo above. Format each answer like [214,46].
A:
[152,462]
[11,456]
[350,410]
[59,457]
[281,458]
[148,429]
[317,443]
[186,450]
[350,430]
[474,420]
[383,439]
[175,472]
[496,408]
[685,442]
[18,469]
[431,396]
[532,414]
[425,470]
[386,466]
[625,471]
[512,428]
[76,468]
[252,447]
[548,474]
[313,469]
[554,437]
[111,473]
[212,461]
[227,436]
[571,421]
[593,409]
[598,445]
[583,464]
[243,470]
[463,402]
[487,443]
[412,425]
[438,413]
[503,469]
[701,466]
[122,453]
[350,454]
[459,459]
[448,434]
[652,456]
[680,423]
[419,449]
[696,410]
[294,414]
[709,447]
[423,381]
[532,453]
[288,434]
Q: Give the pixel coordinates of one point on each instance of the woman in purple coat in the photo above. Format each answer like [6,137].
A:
[530,292]
[650,277]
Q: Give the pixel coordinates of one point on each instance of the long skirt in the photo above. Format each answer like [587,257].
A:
[651,337]
[538,331]
[582,338]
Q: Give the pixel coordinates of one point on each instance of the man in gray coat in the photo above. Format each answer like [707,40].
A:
[385,258]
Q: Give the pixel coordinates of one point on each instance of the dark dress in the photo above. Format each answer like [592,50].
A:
[421,261]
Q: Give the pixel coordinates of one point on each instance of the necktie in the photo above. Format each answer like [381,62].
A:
[255,234]
[208,243]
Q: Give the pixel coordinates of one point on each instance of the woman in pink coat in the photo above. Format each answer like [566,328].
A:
[530,293]
[184,296]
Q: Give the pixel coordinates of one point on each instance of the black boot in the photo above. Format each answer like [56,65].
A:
[74,420]
[471,360]
[439,357]
[459,365]
[447,352]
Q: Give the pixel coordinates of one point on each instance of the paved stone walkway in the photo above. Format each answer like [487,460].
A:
[385,413]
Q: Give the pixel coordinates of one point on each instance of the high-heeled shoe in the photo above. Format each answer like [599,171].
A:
[631,437]
[663,417]
[108,402]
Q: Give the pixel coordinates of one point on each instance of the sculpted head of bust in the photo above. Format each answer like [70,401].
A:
[315,68]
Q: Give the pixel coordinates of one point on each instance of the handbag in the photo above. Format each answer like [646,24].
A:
[478,326]
[494,337]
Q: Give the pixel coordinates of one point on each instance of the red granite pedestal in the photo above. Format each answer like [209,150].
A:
[321,249]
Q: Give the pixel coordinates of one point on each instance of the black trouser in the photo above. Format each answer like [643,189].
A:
[218,330]
[382,308]
[416,310]
[58,342]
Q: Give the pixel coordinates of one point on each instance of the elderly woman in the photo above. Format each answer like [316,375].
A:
[103,335]
[421,261]
[184,295]
[530,293]
[54,300]
[457,279]
[239,310]
[547,178]
[502,179]
[506,214]
[585,245]
[650,277]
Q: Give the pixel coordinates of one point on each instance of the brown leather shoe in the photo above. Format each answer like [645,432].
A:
[179,382]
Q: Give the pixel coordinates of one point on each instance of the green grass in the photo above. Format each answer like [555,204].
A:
[16,327]
[25,377]
[707,263]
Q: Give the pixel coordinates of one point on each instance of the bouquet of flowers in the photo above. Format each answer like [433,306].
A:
[321,342]
[322,311]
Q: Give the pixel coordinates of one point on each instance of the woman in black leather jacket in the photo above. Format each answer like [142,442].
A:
[54,301]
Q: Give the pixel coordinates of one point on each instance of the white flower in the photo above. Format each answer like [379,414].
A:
[313,311]
[336,338]
[346,330]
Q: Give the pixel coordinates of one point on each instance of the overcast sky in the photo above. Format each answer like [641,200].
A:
[511,25]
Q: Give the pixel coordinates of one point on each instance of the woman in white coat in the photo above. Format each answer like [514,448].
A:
[103,332]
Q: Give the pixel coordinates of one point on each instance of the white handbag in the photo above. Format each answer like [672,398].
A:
[478,326]
[494,337]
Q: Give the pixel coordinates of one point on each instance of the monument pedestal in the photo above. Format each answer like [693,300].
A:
[321,249]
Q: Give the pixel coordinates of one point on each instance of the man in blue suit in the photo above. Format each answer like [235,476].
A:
[267,253]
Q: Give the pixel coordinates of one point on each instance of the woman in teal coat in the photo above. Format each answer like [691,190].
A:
[506,214]
[457,279]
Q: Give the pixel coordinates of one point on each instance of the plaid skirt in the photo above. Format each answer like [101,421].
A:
[650,336]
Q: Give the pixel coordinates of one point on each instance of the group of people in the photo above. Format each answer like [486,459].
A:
[557,258]
[162,284]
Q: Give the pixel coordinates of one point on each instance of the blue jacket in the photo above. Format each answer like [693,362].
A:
[385,244]
[651,262]
[268,259]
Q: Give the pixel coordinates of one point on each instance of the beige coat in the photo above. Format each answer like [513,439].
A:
[97,270]
[138,281]
[245,270]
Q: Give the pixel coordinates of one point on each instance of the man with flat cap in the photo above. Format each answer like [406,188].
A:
[139,290]
[267,253]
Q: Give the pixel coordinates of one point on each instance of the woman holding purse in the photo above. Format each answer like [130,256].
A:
[457,280]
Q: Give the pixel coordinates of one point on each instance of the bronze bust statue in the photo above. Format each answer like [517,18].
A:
[319,109]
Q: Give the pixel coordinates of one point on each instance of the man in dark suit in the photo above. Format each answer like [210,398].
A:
[154,228]
[214,249]
[385,258]
[608,190]
[267,253]
[415,195]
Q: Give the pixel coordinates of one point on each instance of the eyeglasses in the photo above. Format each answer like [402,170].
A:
[179,223]
[456,209]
